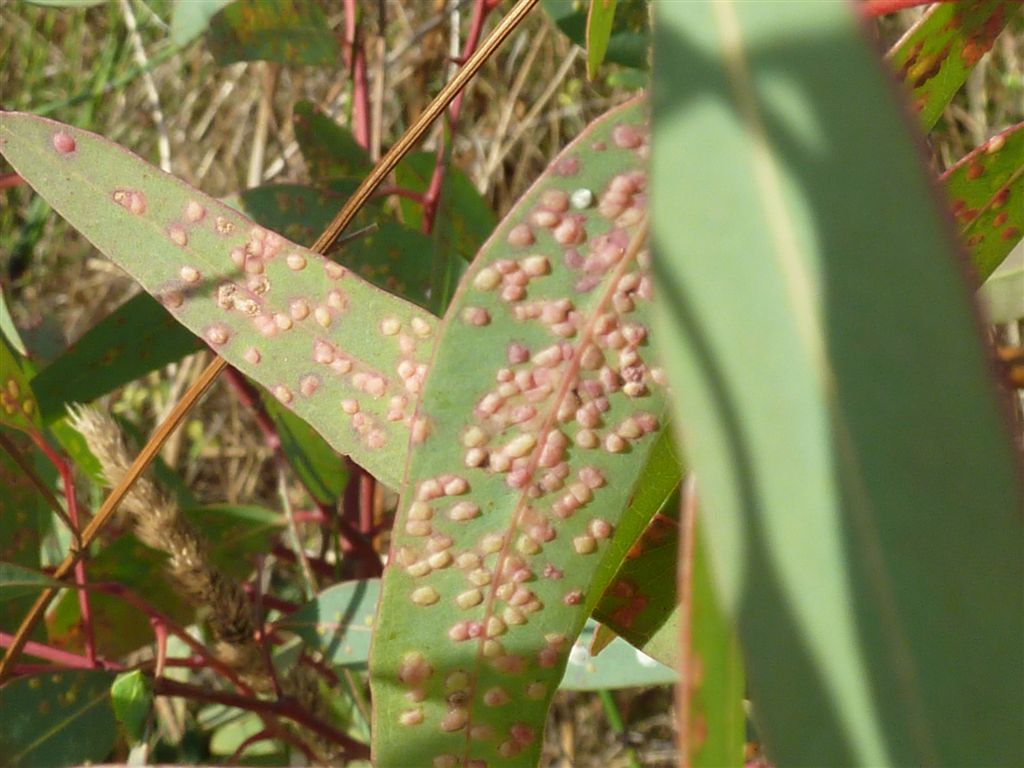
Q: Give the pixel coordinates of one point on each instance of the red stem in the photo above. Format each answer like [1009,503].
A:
[81,578]
[121,592]
[409,194]
[58,656]
[9,180]
[284,708]
[873,8]
[357,66]
[481,9]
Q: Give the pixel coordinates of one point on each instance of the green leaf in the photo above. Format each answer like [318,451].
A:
[1002,295]
[618,665]
[17,581]
[639,600]
[190,19]
[630,40]
[285,31]
[138,337]
[236,534]
[599,29]
[18,408]
[342,354]
[862,493]
[319,467]
[542,408]
[987,192]
[132,698]
[716,686]
[7,328]
[392,257]
[57,719]
[119,627]
[330,151]
[338,622]
[935,56]
[23,516]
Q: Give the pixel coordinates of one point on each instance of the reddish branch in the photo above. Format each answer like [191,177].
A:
[71,502]
[481,9]
[8,180]
[59,656]
[872,8]
[285,708]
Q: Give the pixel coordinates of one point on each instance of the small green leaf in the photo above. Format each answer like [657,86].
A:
[338,622]
[986,189]
[640,601]
[57,719]
[618,665]
[7,328]
[319,467]
[17,581]
[190,19]
[236,533]
[330,151]
[630,40]
[138,337]
[936,55]
[18,407]
[717,683]
[23,518]
[599,30]
[1002,295]
[285,31]
[132,698]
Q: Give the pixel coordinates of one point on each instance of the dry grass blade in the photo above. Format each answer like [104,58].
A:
[213,370]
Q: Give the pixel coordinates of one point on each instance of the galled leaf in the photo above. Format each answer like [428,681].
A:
[286,31]
[57,719]
[347,357]
[541,410]
[935,56]
[987,192]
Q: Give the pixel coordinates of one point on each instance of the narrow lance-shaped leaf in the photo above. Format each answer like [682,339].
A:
[640,600]
[541,409]
[935,56]
[859,484]
[987,192]
[600,18]
[347,357]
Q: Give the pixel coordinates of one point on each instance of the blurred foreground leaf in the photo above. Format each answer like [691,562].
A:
[860,484]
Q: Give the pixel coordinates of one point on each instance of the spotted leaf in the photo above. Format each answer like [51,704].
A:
[987,192]
[935,56]
[61,718]
[347,357]
[541,410]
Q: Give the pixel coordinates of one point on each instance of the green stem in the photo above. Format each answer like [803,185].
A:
[611,711]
